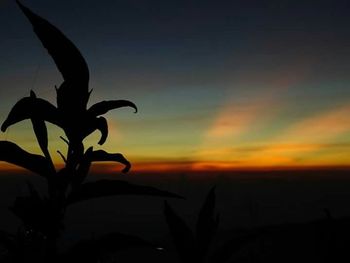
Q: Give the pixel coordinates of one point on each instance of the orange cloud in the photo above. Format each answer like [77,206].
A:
[321,127]
[307,142]
[304,141]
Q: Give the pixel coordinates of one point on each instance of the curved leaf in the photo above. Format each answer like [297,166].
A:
[102,156]
[105,106]
[182,235]
[101,125]
[31,108]
[66,55]
[103,188]
[12,153]
[92,250]
[207,224]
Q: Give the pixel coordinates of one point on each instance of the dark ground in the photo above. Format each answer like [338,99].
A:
[287,207]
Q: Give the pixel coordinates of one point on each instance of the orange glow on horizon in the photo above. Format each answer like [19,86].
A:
[195,167]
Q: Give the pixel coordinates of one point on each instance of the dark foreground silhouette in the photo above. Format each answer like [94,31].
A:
[42,215]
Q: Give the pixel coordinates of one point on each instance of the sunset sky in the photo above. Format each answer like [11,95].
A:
[220,85]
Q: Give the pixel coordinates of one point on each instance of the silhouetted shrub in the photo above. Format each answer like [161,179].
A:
[42,216]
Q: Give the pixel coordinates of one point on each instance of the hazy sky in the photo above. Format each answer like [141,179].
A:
[219,84]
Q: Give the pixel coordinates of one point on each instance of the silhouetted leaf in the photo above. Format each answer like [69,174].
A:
[182,235]
[73,94]
[105,106]
[226,251]
[104,188]
[102,156]
[102,126]
[67,57]
[207,224]
[40,131]
[94,249]
[11,153]
[31,108]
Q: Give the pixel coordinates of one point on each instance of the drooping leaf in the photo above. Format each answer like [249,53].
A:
[66,55]
[12,153]
[99,124]
[102,126]
[228,249]
[207,224]
[105,106]
[40,131]
[103,188]
[182,235]
[32,108]
[102,156]
[94,249]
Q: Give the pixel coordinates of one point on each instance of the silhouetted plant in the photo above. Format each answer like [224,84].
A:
[196,246]
[42,216]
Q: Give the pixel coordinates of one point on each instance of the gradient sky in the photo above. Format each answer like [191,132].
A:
[219,84]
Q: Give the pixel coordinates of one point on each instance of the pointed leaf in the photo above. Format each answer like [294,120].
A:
[31,108]
[67,57]
[103,188]
[105,106]
[227,250]
[207,224]
[181,234]
[102,156]
[92,250]
[11,153]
